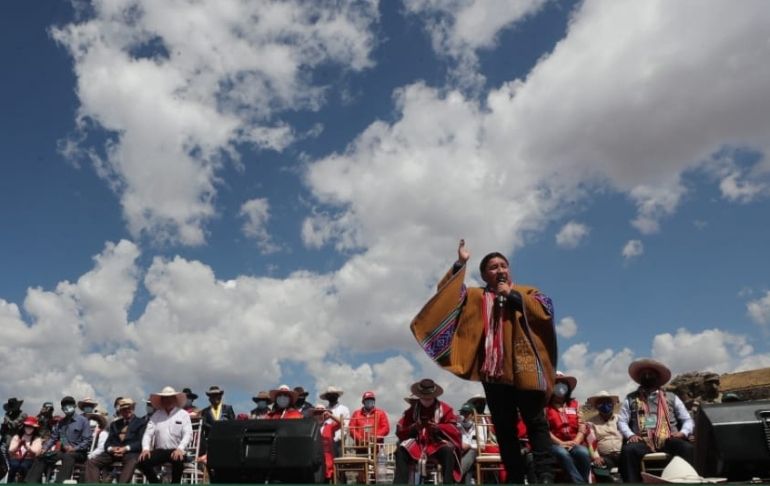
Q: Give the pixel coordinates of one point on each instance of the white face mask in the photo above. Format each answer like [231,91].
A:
[68,409]
[560,390]
[282,401]
[262,404]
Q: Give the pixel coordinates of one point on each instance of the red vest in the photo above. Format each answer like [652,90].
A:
[565,423]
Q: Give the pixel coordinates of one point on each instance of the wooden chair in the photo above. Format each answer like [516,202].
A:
[486,462]
[655,462]
[356,456]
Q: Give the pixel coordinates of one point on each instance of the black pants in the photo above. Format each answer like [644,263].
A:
[444,456]
[158,457]
[68,460]
[503,401]
[632,453]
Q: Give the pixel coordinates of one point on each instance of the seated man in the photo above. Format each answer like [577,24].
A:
[369,421]
[168,433]
[124,442]
[648,420]
[428,430]
[72,434]
[262,410]
[470,446]
[604,431]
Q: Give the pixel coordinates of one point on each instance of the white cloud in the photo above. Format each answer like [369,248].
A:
[177,104]
[572,234]
[736,188]
[256,212]
[759,309]
[458,28]
[567,327]
[632,249]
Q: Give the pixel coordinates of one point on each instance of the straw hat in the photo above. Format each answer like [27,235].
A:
[635,370]
[87,401]
[602,395]
[126,402]
[679,471]
[284,390]
[426,388]
[167,391]
[331,390]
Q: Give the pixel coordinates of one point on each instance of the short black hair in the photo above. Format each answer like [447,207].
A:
[488,257]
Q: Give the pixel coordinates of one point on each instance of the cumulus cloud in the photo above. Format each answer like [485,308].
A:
[632,249]
[572,234]
[175,105]
[567,327]
[458,28]
[759,309]
[256,213]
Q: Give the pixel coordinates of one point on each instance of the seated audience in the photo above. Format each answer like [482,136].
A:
[369,421]
[332,396]
[262,410]
[124,442]
[167,435]
[428,431]
[13,420]
[189,407]
[604,430]
[87,405]
[99,429]
[283,399]
[24,449]
[69,443]
[470,446]
[648,420]
[45,420]
[567,430]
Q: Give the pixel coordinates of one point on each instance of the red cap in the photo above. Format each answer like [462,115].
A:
[369,394]
[31,421]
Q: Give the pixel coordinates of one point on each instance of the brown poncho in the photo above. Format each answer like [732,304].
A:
[450,328]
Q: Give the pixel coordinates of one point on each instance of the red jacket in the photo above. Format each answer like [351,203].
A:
[376,419]
[436,427]
[564,425]
[289,413]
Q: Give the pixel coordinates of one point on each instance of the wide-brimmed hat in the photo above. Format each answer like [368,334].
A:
[99,418]
[167,391]
[410,399]
[477,398]
[319,409]
[571,381]
[604,394]
[31,422]
[189,394]
[426,388]
[126,402]
[679,471]
[284,390]
[87,401]
[331,390]
[262,395]
[301,391]
[635,370]
[215,390]
[12,403]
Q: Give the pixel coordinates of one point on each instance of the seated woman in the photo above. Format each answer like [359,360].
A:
[283,398]
[24,448]
[568,430]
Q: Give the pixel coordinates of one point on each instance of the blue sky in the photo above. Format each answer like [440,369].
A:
[247,195]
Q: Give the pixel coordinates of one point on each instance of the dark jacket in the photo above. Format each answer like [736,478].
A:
[133,437]
[207,419]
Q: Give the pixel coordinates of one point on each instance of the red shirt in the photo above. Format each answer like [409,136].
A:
[376,419]
[288,413]
[564,422]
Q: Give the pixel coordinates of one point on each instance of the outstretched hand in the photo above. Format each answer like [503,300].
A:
[463,254]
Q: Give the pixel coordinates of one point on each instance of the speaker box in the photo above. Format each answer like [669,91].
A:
[733,440]
[258,451]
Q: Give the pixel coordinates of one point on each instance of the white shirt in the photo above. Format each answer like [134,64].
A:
[100,441]
[342,413]
[168,431]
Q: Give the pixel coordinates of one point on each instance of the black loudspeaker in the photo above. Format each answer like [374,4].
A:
[259,451]
[732,440]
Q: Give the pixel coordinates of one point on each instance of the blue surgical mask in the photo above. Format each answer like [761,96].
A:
[262,404]
[560,390]
[88,409]
[605,407]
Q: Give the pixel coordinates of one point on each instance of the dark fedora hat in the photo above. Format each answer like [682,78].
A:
[426,388]
[12,404]
[215,390]
[301,391]
[189,394]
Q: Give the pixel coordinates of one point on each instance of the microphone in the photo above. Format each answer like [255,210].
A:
[500,299]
